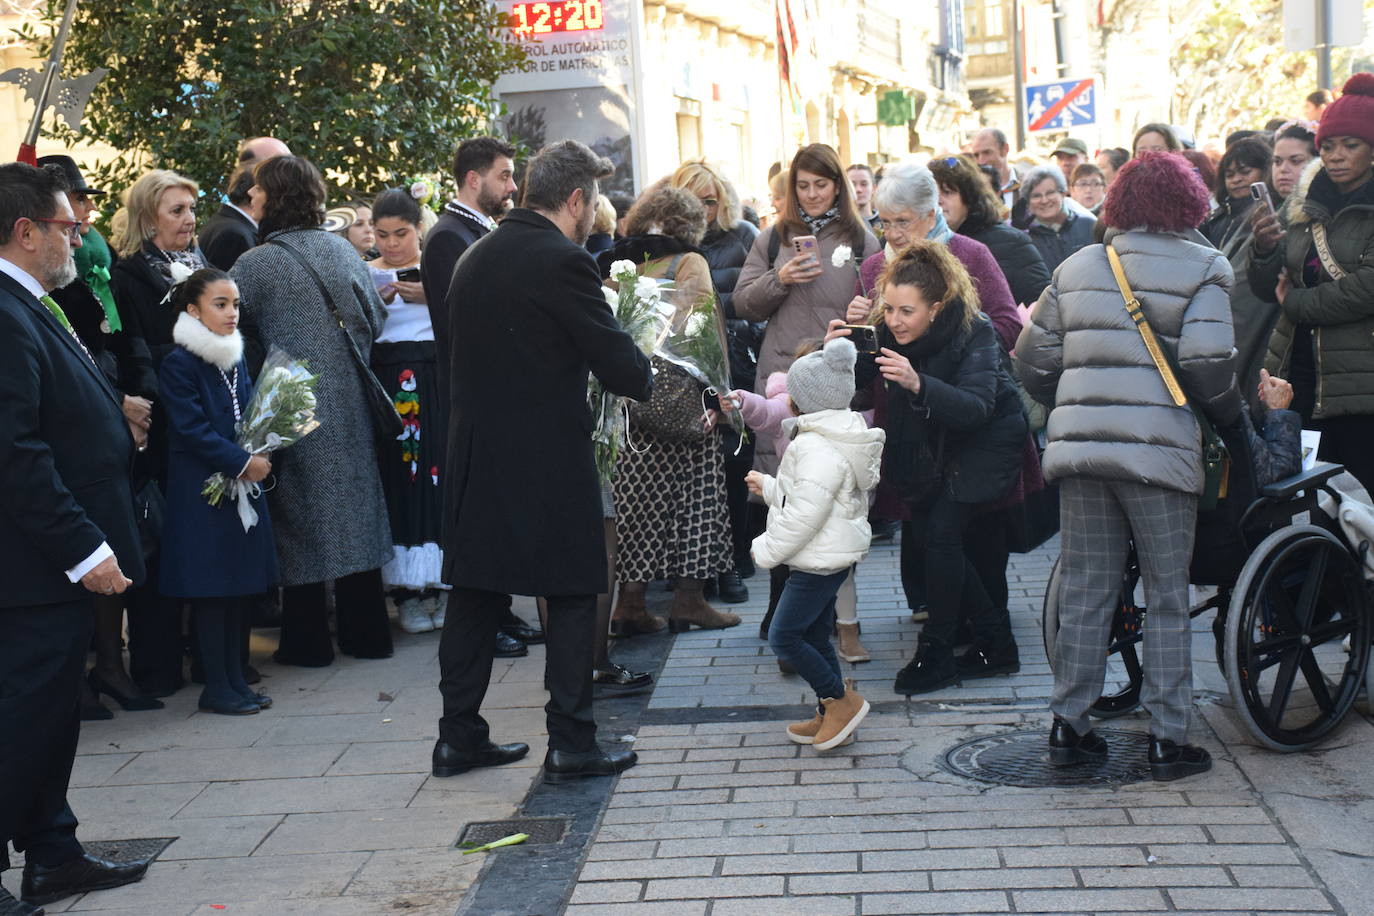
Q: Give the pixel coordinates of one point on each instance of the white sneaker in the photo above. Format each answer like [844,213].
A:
[440,606]
[412,616]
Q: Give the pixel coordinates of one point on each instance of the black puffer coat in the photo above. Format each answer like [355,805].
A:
[1021,262]
[725,254]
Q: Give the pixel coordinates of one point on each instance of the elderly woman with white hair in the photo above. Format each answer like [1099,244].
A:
[908,200]
[1057,227]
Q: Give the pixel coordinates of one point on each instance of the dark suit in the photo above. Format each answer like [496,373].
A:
[453,234]
[65,461]
[522,507]
[227,235]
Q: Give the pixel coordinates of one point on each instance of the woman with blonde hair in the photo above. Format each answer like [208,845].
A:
[726,247]
[603,226]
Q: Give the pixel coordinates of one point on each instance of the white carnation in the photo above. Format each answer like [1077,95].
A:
[696,325]
[647,288]
[623,269]
[842,255]
[612,297]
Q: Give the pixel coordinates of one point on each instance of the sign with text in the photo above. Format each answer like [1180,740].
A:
[569,44]
[1061,105]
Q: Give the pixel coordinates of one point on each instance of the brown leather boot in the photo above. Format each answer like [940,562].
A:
[690,609]
[630,615]
[850,649]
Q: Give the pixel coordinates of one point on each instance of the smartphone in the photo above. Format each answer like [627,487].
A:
[409,275]
[805,246]
[865,337]
[1260,192]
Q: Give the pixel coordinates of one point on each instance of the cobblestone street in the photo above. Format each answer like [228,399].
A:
[323,804]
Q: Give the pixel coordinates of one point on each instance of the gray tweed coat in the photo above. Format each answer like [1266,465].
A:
[327,506]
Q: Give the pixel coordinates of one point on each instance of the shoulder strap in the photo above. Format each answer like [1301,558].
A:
[1146,332]
[774,244]
[1324,251]
[671,273]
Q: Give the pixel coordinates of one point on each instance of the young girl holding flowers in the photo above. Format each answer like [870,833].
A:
[207,556]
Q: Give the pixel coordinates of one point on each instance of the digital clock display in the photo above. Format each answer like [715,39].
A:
[530,19]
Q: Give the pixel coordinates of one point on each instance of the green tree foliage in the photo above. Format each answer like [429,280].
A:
[369,90]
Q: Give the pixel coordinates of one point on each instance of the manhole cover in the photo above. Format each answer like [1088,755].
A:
[1023,759]
[128,851]
[540,830]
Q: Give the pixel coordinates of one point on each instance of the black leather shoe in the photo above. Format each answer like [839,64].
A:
[1170,761]
[618,677]
[450,761]
[563,766]
[508,646]
[251,675]
[238,706]
[731,588]
[130,702]
[514,627]
[87,873]
[1068,747]
[11,907]
[262,699]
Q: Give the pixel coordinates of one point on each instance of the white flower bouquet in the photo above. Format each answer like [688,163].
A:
[280,414]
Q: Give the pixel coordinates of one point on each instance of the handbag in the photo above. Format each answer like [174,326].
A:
[386,422]
[674,409]
[1216,460]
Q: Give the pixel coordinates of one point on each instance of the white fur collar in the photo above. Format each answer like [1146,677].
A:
[222,351]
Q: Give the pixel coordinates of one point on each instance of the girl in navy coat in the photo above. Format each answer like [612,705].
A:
[207,557]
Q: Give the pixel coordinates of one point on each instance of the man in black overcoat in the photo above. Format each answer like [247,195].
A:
[231,231]
[522,508]
[484,168]
[67,532]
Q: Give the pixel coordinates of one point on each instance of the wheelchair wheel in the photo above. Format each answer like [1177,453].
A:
[1124,674]
[1299,595]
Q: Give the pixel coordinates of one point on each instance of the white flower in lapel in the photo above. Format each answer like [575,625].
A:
[841,256]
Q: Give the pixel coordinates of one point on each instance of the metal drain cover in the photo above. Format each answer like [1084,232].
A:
[1022,759]
[128,851]
[540,830]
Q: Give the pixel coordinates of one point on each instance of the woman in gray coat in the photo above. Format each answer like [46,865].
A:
[327,505]
[1128,461]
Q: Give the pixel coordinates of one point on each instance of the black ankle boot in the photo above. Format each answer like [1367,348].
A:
[932,669]
[985,661]
[1068,747]
[1170,761]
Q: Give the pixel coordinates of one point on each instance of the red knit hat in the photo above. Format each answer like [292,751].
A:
[1352,115]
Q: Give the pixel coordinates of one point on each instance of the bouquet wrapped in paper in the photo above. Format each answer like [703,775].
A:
[695,339]
[280,413]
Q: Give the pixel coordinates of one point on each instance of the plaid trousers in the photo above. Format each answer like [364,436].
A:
[1098,518]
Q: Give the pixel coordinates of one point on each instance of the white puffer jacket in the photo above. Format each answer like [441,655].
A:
[818,503]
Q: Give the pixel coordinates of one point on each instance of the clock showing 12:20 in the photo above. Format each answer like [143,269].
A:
[530,19]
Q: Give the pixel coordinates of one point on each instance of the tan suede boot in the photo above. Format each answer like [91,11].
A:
[805,732]
[630,615]
[842,716]
[690,609]
[850,649]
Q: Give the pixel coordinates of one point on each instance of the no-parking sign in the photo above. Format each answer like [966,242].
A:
[1061,105]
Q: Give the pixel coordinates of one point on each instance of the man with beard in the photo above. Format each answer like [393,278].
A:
[484,168]
[522,504]
[67,532]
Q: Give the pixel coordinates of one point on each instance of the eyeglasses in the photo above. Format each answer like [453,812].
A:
[1046,195]
[1086,185]
[70,226]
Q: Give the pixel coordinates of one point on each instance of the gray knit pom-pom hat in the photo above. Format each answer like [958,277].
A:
[824,379]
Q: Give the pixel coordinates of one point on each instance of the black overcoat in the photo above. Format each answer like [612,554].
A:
[454,233]
[226,235]
[522,510]
[66,456]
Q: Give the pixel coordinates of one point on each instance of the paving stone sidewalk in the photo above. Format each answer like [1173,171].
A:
[321,804]
[725,816]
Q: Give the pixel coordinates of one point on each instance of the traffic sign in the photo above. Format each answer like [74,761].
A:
[1061,105]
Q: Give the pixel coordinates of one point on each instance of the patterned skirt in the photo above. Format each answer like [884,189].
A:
[671,516]
[411,465]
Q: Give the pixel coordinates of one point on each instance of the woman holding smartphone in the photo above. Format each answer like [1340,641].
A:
[792,278]
[404,359]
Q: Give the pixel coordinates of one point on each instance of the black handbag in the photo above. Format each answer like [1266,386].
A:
[149,507]
[1034,520]
[386,422]
[674,410]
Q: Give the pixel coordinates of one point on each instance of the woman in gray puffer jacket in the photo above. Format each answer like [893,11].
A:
[1128,460]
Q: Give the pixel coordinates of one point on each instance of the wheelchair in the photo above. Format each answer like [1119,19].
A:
[1295,614]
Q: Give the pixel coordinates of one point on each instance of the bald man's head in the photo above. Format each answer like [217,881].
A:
[260,148]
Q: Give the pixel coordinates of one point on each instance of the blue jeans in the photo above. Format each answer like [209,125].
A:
[800,632]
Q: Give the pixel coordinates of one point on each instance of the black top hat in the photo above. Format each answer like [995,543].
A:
[68,166]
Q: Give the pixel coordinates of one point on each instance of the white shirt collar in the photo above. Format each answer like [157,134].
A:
[481,218]
[230,204]
[23,278]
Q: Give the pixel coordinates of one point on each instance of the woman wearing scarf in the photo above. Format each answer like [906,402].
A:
[908,200]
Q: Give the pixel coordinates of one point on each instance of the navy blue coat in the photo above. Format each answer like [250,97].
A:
[205,551]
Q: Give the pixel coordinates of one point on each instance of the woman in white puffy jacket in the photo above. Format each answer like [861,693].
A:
[818,526]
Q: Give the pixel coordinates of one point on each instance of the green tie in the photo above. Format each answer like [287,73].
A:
[57,312]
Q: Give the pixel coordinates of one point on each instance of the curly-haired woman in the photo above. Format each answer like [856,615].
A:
[670,515]
[1127,458]
[327,507]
